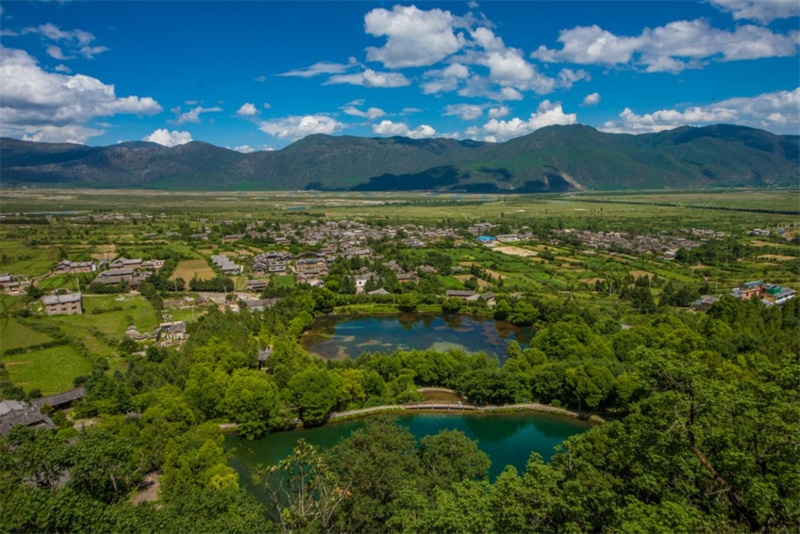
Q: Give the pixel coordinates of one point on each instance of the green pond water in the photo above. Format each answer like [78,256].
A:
[507,438]
[341,337]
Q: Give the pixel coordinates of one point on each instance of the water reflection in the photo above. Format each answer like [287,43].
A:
[500,429]
[508,439]
[334,336]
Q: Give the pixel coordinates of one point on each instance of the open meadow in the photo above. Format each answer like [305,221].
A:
[49,370]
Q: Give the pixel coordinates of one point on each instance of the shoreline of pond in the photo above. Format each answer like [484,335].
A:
[507,438]
[463,410]
[341,336]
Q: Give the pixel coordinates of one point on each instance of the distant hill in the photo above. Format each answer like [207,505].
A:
[556,158]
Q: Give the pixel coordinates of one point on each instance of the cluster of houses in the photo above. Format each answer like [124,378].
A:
[665,244]
[15,413]
[226,265]
[349,236]
[132,271]
[770,294]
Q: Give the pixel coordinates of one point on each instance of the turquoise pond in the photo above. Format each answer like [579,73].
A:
[341,337]
[508,439]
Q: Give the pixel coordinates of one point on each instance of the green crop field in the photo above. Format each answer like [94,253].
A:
[9,303]
[14,335]
[286,280]
[49,370]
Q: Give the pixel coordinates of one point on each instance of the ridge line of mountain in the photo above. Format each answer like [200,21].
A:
[552,159]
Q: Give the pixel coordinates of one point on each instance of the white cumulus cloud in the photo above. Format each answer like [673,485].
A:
[414,37]
[390,128]
[777,111]
[466,112]
[247,149]
[193,115]
[444,80]
[499,112]
[54,107]
[763,11]
[370,78]
[591,99]
[169,138]
[370,113]
[247,110]
[547,114]
[297,127]
[55,52]
[671,48]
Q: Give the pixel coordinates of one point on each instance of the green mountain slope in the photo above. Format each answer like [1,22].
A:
[556,158]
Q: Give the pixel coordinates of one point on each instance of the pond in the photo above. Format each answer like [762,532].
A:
[341,337]
[507,438]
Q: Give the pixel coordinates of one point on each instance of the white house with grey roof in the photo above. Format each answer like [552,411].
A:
[68,304]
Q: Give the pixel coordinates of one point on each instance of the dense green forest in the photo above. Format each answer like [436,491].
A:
[704,424]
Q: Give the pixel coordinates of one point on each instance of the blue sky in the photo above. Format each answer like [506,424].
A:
[260,75]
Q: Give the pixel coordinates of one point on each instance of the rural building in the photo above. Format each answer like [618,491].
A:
[258,304]
[362,279]
[488,298]
[748,290]
[121,262]
[226,265]
[407,277]
[277,267]
[68,304]
[14,413]
[508,238]
[13,283]
[113,277]
[776,295]
[461,294]
[256,285]
[60,401]
[170,332]
[380,291]
[770,294]
[73,267]
[310,264]
[704,304]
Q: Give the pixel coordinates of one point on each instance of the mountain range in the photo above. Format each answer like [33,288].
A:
[552,159]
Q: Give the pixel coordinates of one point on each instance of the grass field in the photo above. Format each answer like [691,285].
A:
[9,303]
[22,258]
[286,280]
[50,370]
[14,335]
[113,323]
[189,269]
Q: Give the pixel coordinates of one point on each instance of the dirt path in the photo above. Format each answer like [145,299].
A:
[150,488]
